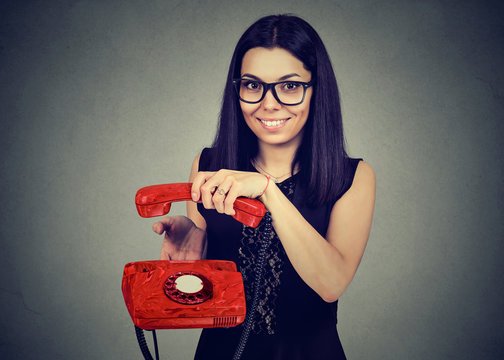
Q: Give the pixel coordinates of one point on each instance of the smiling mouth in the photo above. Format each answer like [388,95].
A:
[272,122]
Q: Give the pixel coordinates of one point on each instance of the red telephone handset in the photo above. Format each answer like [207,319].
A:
[155,200]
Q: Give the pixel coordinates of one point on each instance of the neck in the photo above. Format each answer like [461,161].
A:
[276,159]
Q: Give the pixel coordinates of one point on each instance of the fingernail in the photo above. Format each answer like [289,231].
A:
[194,196]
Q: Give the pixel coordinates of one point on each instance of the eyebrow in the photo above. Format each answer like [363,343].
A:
[285,77]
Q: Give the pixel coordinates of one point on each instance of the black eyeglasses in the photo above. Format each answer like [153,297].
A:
[285,92]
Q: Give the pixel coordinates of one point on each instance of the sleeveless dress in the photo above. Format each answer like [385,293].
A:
[293,322]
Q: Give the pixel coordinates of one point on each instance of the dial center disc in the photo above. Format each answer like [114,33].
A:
[189,284]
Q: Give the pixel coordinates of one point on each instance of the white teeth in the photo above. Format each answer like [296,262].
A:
[272,123]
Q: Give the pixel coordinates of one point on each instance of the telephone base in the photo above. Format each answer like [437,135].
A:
[161,294]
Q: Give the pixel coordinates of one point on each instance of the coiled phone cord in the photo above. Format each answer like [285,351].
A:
[265,241]
[249,320]
[143,344]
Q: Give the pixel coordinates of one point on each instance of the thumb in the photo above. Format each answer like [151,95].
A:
[161,226]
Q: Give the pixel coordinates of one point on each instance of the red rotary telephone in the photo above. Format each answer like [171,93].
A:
[165,294]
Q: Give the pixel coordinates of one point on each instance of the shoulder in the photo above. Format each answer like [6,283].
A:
[205,160]
[354,170]
[364,173]
[363,184]
[196,161]
[201,161]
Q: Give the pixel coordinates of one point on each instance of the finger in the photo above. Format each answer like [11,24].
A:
[221,194]
[200,178]
[207,191]
[233,193]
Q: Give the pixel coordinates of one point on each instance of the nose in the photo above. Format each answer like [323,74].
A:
[269,102]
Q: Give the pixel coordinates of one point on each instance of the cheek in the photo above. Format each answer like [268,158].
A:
[248,109]
[304,108]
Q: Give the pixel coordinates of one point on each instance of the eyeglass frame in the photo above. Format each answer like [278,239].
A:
[268,86]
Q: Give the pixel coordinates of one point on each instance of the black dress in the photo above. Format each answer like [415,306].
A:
[292,322]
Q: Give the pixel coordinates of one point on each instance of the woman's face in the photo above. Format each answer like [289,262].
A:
[272,122]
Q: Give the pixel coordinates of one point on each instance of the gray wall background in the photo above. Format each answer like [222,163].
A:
[100,98]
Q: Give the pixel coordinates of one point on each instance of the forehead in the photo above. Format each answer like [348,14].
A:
[271,64]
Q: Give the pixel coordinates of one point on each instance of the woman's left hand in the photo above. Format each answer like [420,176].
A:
[219,190]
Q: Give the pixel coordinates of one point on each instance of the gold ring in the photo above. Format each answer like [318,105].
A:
[221,191]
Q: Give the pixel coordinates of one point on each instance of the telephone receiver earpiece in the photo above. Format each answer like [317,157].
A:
[156,200]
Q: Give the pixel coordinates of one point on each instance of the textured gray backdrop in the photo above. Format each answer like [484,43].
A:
[99,98]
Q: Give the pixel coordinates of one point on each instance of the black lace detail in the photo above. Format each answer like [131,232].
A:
[275,257]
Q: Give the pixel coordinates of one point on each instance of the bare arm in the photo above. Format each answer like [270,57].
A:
[327,265]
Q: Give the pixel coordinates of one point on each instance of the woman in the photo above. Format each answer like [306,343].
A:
[280,140]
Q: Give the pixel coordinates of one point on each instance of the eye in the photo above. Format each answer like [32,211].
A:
[252,85]
[290,86]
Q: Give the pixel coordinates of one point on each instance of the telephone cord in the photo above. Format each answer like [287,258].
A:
[249,321]
[143,343]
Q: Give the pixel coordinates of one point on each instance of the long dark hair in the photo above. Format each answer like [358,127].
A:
[321,156]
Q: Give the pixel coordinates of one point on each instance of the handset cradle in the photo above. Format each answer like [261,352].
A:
[156,200]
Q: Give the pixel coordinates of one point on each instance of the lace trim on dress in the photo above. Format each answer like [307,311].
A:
[275,257]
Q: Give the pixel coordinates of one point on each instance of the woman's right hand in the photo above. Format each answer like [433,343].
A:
[183,240]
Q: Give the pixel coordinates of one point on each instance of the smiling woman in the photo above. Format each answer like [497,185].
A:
[270,117]
[280,139]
